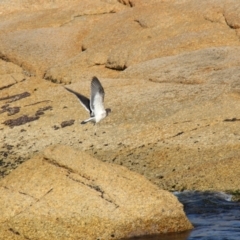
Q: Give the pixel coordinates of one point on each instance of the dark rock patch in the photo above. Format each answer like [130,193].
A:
[13,110]
[231,120]
[16,97]
[55,127]
[8,86]
[6,165]
[23,119]
[37,103]
[20,121]
[4,108]
[67,123]
[41,111]
[10,110]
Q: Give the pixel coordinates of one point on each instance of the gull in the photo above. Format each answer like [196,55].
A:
[95,105]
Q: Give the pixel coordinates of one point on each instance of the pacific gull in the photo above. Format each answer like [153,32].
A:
[95,105]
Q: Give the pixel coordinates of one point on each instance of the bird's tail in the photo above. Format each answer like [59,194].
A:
[92,119]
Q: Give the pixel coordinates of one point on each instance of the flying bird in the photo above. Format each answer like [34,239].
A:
[94,105]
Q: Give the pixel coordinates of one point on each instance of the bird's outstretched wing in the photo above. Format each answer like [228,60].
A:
[97,97]
[83,100]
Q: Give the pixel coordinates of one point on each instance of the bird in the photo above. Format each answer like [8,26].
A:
[94,105]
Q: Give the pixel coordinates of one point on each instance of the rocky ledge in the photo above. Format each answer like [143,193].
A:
[67,194]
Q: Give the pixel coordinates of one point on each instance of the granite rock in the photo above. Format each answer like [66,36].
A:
[67,194]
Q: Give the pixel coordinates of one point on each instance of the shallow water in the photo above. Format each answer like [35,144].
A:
[213,215]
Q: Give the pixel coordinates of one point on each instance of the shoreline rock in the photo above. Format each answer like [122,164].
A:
[67,194]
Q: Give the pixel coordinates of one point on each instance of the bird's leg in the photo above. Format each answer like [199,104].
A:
[95,129]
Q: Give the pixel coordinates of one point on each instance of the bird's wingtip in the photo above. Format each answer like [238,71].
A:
[94,77]
[67,88]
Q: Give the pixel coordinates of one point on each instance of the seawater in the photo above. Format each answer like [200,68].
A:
[213,215]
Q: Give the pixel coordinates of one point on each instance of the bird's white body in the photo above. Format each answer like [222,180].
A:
[97,118]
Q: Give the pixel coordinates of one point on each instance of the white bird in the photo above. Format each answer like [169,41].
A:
[95,105]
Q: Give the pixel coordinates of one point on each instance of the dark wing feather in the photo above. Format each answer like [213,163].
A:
[83,100]
[96,90]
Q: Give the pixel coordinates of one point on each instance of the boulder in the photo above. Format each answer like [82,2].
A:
[150,30]
[40,39]
[210,65]
[67,194]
